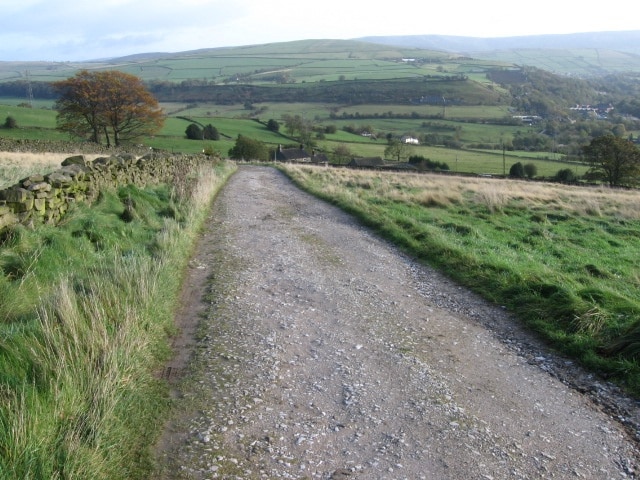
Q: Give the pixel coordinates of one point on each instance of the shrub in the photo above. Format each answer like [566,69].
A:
[194,132]
[516,170]
[530,170]
[565,175]
[426,164]
[273,125]
[210,133]
[10,122]
[249,149]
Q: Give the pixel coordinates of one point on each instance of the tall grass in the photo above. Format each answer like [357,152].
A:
[88,325]
[563,259]
[14,167]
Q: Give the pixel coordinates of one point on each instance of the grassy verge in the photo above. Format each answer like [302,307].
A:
[564,259]
[86,313]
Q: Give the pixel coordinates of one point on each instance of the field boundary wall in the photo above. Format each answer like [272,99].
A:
[46,198]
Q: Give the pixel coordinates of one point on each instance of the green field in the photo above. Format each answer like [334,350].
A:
[234,120]
[307,60]
[390,90]
[571,61]
[474,117]
[326,60]
[44,118]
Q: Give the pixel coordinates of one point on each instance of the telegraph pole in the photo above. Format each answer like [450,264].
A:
[29,89]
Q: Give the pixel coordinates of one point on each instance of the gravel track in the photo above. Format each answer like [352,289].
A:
[318,351]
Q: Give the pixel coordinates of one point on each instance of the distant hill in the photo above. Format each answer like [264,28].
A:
[586,54]
[628,41]
[329,57]
[357,72]
[583,54]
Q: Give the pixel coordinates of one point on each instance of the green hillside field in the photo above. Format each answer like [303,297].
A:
[39,123]
[466,104]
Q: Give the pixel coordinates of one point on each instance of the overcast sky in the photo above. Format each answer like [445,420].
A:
[73,30]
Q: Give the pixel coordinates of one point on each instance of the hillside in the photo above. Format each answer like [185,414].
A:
[379,81]
[582,54]
[304,60]
[341,72]
[380,57]
[332,71]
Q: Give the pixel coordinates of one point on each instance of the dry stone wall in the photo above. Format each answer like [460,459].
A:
[46,198]
[44,146]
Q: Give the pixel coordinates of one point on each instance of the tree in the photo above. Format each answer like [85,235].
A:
[516,170]
[273,125]
[194,132]
[249,149]
[10,122]
[532,141]
[292,123]
[619,130]
[613,159]
[530,170]
[210,132]
[342,153]
[297,124]
[110,105]
[565,175]
[397,150]
[422,163]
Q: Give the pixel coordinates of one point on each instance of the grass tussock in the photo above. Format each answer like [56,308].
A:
[86,315]
[562,258]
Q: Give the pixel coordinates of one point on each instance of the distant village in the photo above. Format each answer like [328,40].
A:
[601,110]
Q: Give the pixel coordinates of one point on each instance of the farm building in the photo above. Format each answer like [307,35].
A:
[299,155]
[410,140]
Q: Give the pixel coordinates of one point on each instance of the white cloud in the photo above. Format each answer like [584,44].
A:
[80,30]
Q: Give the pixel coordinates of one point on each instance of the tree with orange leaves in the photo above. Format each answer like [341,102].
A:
[109,107]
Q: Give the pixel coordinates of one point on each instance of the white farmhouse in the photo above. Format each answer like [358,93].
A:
[410,140]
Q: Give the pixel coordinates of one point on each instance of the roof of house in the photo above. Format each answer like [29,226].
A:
[319,157]
[291,154]
[299,155]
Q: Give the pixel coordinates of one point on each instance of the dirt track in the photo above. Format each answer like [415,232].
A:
[323,353]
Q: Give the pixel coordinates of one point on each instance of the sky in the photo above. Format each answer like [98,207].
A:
[78,30]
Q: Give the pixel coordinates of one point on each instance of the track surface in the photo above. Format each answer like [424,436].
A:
[323,353]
